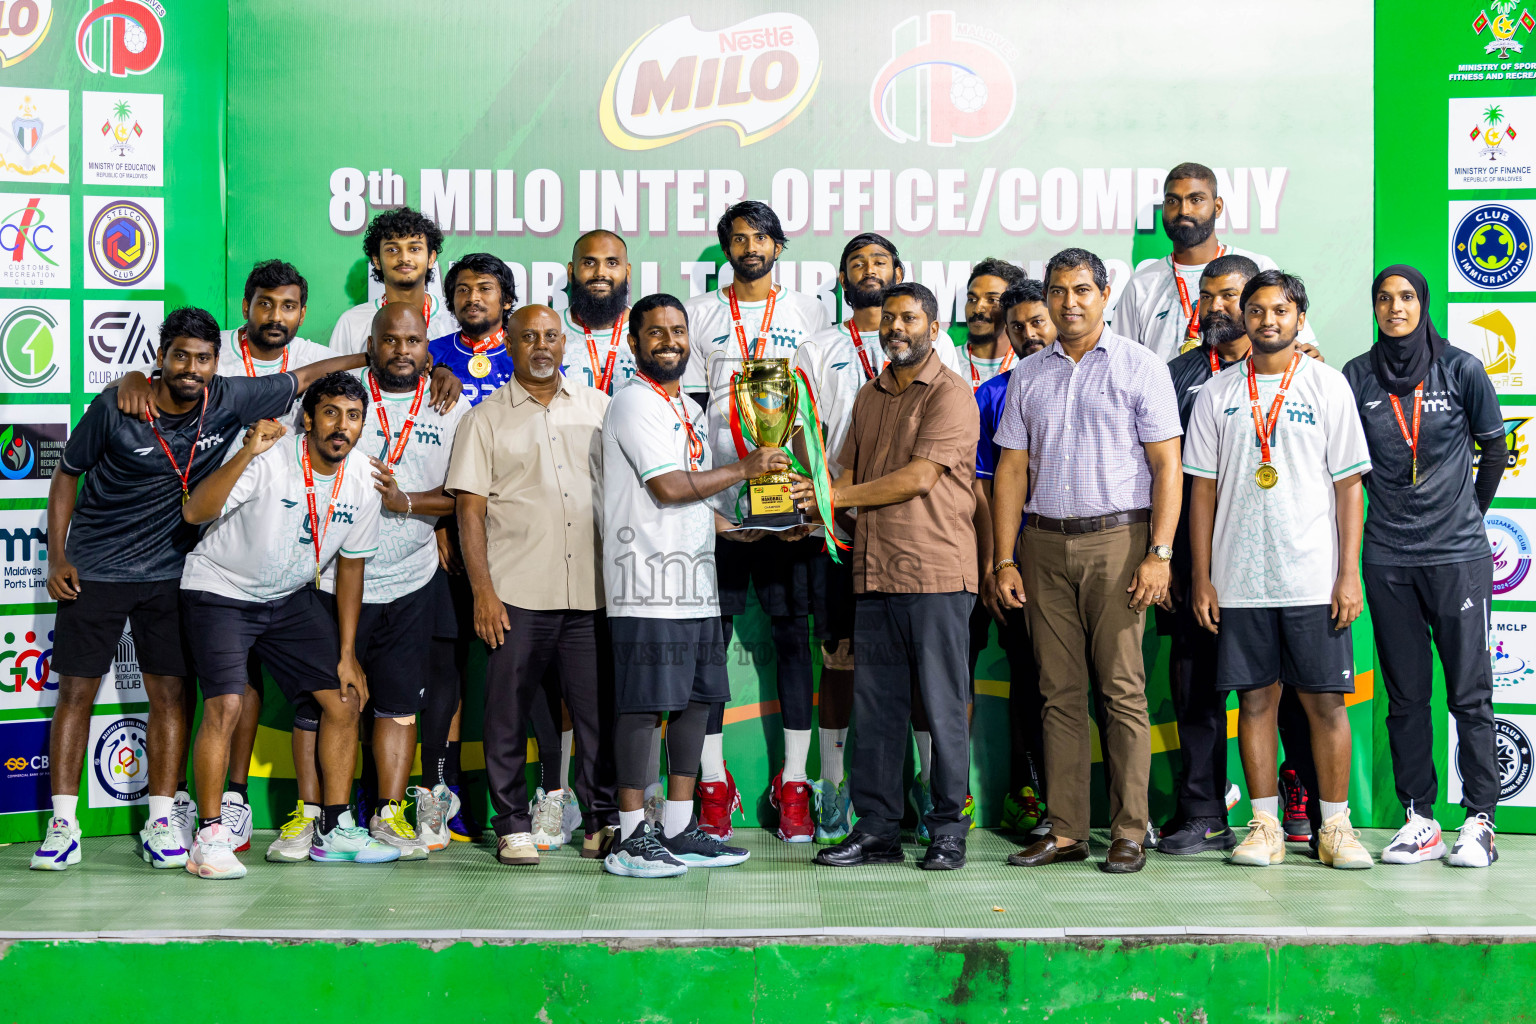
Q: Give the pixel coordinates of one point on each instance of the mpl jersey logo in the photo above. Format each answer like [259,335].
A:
[24,778]
[123,240]
[119,336]
[1511,550]
[37,140]
[34,241]
[34,344]
[119,761]
[954,82]
[121,37]
[1490,244]
[1502,27]
[24,25]
[676,80]
[24,541]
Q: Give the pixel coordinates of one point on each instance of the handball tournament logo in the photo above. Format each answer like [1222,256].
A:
[954,82]
[124,243]
[1511,552]
[1491,246]
[121,762]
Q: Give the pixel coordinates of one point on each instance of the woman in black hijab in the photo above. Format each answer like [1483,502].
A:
[1426,408]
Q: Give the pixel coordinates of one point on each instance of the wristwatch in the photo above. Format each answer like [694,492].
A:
[1162,551]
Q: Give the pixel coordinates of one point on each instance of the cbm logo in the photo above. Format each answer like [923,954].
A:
[955,83]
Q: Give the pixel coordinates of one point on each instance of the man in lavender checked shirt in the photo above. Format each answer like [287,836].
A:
[1090,433]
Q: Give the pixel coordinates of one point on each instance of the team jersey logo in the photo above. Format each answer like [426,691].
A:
[1511,551]
[951,82]
[1491,246]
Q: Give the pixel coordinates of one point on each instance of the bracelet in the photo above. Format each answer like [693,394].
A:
[1006,563]
[408,505]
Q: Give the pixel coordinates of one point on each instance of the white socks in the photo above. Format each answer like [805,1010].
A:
[160,807]
[1329,808]
[1270,805]
[712,760]
[567,741]
[628,822]
[832,741]
[797,747]
[675,816]
[64,807]
[924,755]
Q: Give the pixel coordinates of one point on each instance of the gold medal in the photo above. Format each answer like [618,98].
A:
[317,577]
[1266,475]
[480,365]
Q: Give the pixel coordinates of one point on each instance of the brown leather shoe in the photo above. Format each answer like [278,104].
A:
[1124,857]
[1050,850]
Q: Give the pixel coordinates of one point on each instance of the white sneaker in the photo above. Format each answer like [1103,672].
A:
[347,843]
[389,826]
[60,847]
[570,824]
[159,846]
[1233,795]
[1418,840]
[1151,840]
[434,808]
[213,854]
[549,820]
[1474,846]
[235,815]
[183,819]
[295,837]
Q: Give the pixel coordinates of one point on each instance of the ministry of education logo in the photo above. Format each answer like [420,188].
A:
[1511,551]
[124,243]
[1491,246]
[1512,749]
[121,761]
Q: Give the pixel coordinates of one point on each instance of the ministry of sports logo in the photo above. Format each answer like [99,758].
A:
[121,37]
[1502,27]
[952,82]
[1511,551]
[121,762]
[124,243]
[1491,246]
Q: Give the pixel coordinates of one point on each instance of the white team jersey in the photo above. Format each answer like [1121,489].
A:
[658,560]
[578,359]
[1149,310]
[260,549]
[1278,547]
[350,335]
[301,352]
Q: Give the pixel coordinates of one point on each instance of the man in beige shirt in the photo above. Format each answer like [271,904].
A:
[526,475]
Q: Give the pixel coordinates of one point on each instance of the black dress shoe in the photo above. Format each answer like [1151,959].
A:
[863,848]
[945,853]
[1124,857]
[1050,850]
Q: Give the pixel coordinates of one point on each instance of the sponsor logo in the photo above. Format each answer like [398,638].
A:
[34,247]
[1497,348]
[24,777]
[25,662]
[1491,246]
[30,451]
[1512,749]
[1519,447]
[24,25]
[24,574]
[119,336]
[1502,27]
[29,341]
[121,38]
[1492,132]
[37,145]
[125,665]
[676,80]
[1489,143]
[122,138]
[124,243]
[120,762]
[1511,552]
[950,82]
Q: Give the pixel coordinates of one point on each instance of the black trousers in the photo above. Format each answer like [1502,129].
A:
[1409,604]
[1026,742]
[576,645]
[899,640]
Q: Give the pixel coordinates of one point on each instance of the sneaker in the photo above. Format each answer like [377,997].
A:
[1152,839]
[1041,830]
[1474,846]
[1233,795]
[159,846]
[549,820]
[793,802]
[295,837]
[213,853]
[433,809]
[655,797]
[184,818]
[60,847]
[1339,845]
[390,826]
[235,815]
[1293,797]
[462,826]
[597,844]
[718,801]
[1022,811]
[832,811]
[1263,845]
[922,802]
[698,849]
[1418,840]
[517,849]
[1197,835]
[571,821]
[349,843]
[643,856]
[968,811]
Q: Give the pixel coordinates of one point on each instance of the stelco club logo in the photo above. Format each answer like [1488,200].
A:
[1511,552]
[676,80]
[121,37]
[120,760]
[125,242]
[1491,246]
[955,83]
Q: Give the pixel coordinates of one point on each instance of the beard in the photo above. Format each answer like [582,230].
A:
[477,323]
[860,297]
[914,353]
[1269,348]
[395,382]
[752,273]
[1186,232]
[185,388]
[1219,328]
[658,373]
[594,311]
[263,336]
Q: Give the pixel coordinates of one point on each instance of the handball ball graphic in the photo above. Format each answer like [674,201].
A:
[968,93]
[134,37]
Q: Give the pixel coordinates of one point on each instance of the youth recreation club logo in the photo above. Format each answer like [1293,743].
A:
[951,82]
[1491,246]
[676,80]
[1511,550]
[121,37]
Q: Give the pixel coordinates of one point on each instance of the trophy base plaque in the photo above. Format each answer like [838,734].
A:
[769,505]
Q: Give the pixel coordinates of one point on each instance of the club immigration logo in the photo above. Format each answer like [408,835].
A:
[676,80]
[124,243]
[25,662]
[954,82]
[120,761]
[24,25]
[119,336]
[32,345]
[1502,27]
[1491,246]
[121,37]
[1511,551]
[34,247]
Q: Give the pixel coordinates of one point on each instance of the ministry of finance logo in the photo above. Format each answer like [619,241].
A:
[119,336]
[1511,551]
[952,82]
[121,37]
[120,761]
[123,240]
[1491,246]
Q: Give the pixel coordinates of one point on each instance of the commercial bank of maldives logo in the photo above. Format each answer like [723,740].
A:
[124,242]
[1491,246]
[121,37]
[120,760]
[1511,550]
[753,77]
[950,82]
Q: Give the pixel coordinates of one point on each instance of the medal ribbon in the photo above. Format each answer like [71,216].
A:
[1266,430]
[1215,363]
[695,446]
[392,455]
[762,331]
[604,378]
[976,376]
[191,452]
[482,347]
[858,346]
[1192,322]
[316,532]
[245,356]
[1402,425]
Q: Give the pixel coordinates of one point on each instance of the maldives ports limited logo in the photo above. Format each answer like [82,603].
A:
[121,37]
[677,80]
[951,83]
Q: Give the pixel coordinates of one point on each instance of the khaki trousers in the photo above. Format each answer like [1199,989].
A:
[1084,630]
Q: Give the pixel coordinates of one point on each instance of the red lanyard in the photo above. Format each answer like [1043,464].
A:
[481,347]
[1413,441]
[605,377]
[858,346]
[762,330]
[976,377]
[316,531]
[245,356]
[1192,322]
[1266,430]
[695,446]
[410,417]
[1215,363]
[192,452]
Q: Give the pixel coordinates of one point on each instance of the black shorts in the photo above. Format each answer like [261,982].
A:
[394,646]
[780,572]
[662,664]
[1297,646]
[295,637]
[832,599]
[87,630]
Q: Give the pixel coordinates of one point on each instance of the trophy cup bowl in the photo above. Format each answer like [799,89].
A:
[768,398]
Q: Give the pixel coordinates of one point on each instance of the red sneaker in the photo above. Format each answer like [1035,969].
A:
[793,802]
[717,802]
[1293,797]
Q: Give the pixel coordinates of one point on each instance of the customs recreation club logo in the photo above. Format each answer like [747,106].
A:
[1511,552]
[951,82]
[28,344]
[1512,749]
[121,37]
[124,243]
[24,25]
[676,80]
[1502,27]
[1491,246]
[120,760]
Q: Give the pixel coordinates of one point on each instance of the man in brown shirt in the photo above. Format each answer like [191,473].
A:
[526,472]
[909,463]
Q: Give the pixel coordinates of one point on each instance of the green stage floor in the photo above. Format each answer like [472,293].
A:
[463,893]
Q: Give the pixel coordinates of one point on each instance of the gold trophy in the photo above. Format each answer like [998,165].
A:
[767,395]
